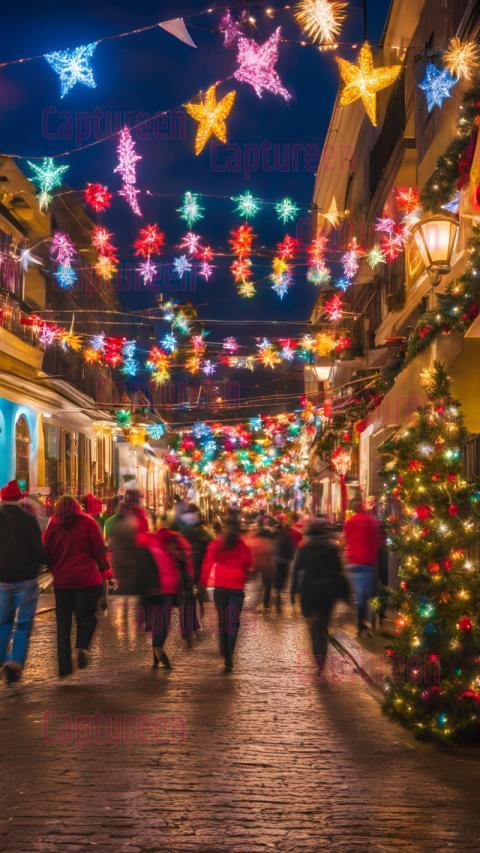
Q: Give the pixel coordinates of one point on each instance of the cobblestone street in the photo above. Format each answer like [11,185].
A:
[261,759]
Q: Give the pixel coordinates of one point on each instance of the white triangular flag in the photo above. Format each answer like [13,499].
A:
[177,28]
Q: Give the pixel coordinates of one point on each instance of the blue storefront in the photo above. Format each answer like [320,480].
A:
[19,441]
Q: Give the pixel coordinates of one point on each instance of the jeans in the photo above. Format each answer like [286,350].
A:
[18,603]
[229,603]
[83,603]
[158,617]
[363,581]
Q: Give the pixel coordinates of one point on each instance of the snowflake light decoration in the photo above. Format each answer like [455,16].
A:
[97,196]
[97,343]
[148,270]
[282,285]
[126,168]
[73,66]
[407,198]
[150,241]
[242,239]
[62,249]
[453,206]
[191,242]
[230,345]
[286,210]
[319,274]
[287,352]
[437,85]
[169,342]
[256,65]
[363,81]
[230,29]
[321,19]
[105,267]
[156,431]
[288,247]
[247,206]
[181,265]
[205,270]
[208,368]
[191,210]
[211,116]
[385,224]
[47,176]
[241,269]
[65,276]
[333,308]
[247,289]
[256,424]
[343,284]
[130,362]
[375,256]
[351,263]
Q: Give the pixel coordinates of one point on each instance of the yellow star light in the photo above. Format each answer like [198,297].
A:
[211,116]
[461,58]
[332,215]
[321,19]
[247,289]
[364,81]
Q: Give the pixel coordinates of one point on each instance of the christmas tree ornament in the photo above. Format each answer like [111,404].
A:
[287,210]
[97,196]
[47,176]
[256,65]
[437,85]
[191,210]
[211,116]
[321,19]
[73,66]
[247,206]
[461,58]
[126,168]
[363,81]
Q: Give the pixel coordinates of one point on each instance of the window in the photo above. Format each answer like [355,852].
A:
[22,453]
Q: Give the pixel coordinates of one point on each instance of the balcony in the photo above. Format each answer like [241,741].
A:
[392,131]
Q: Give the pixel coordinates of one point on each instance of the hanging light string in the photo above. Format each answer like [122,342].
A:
[209,10]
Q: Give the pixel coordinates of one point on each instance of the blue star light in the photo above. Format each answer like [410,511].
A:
[281,286]
[73,66]
[65,276]
[156,431]
[256,424]
[437,85]
[343,283]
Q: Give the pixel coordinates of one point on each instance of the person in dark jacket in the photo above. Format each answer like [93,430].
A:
[21,558]
[191,528]
[77,557]
[284,553]
[318,573]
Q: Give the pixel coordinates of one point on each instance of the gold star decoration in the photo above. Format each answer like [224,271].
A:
[211,116]
[364,81]
[332,215]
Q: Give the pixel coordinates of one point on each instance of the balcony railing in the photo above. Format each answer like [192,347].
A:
[393,130]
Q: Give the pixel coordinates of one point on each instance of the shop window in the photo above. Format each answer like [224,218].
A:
[22,453]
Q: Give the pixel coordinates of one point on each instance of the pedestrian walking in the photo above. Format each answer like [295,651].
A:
[362,539]
[227,567]
[21,558]
[77,558]
[317,572]
[191,527]
[174,589]
[262,546]
[285,547]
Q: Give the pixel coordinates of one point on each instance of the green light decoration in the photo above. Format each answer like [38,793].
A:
[287,210]
[191,210]
[123,417]
[375,257]
[47,176]
[247,205]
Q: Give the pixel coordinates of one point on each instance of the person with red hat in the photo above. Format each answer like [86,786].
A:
[21,557]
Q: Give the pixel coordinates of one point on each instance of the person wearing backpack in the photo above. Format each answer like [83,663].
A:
[21,557]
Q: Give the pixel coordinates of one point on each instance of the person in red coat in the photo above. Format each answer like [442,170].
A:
[227,567]
[77,558]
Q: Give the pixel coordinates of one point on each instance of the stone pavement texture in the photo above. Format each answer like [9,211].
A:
[263,759]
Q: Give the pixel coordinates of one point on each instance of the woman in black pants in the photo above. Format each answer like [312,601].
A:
[77,558]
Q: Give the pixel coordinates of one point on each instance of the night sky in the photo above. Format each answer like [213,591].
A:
[149,72]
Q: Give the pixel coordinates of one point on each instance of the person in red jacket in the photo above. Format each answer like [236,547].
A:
[226,567]
[77,558]
[171,553]
[362,538]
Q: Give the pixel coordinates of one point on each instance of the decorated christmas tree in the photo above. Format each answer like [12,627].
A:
[434,688]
